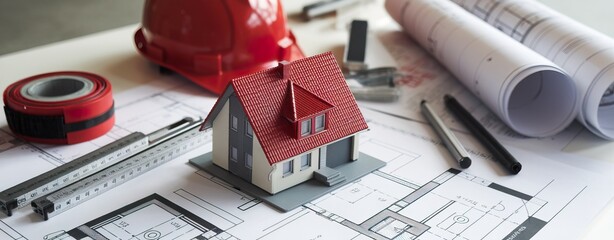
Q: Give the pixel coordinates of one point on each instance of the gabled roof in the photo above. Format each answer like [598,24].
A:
[301,103]
[321,85]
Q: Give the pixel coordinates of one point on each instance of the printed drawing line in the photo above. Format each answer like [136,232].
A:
[148,97]
[485,11]
[474,222]
[284,222]
[394,218]
[512,29]
[506,220]
[195,109]
[470,207]
[224,184]
[107,232]
[134,221]
[485,155]
[392,115]
[546,186]
[50,158]
[8,232]
[250,204]
[358,199]
[435,213]
[524,204]
[578,194]
[211,208]
[399,157]
[439,225]
[396,179]
[517,211]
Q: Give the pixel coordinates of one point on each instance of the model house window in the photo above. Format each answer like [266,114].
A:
[248,160]
[312,125]
[248,129]
[234,123]
[288,168]
[306,127]
[319,123]
[305,161]
[233,154]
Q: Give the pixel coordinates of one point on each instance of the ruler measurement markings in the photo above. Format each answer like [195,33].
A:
[21,194]
[88,164]
[87,188]
[75,175]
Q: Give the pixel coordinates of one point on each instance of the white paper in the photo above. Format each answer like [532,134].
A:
[587,55]
[413,154]
[528,92]
[482,202]
[423,78]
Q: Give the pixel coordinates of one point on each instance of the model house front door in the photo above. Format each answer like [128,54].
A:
[339,153]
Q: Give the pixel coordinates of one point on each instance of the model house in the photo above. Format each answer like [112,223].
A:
[286,125]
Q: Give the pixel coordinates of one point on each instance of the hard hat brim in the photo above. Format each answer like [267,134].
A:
[216,83]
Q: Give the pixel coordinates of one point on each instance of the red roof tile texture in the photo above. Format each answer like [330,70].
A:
[318,85]
[301,103]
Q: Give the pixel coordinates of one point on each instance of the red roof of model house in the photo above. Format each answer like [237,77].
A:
[301,103]
[272,99]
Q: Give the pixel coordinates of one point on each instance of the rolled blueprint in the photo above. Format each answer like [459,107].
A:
[587,55]
[528,92]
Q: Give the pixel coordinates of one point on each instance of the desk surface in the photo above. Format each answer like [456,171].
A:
[314,37]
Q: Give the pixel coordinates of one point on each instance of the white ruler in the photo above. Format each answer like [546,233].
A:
[183,141]
[71,172]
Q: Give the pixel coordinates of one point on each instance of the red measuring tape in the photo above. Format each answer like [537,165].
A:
[60,107]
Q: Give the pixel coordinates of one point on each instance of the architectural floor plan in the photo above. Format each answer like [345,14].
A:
[152,217]
[437,211]
[418,195]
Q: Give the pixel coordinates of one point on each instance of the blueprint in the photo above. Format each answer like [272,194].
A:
[419,194]
[528,92]
[424,78]
[587,55]
[153,217]
[145,109]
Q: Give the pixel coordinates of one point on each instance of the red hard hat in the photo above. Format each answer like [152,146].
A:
[213,41]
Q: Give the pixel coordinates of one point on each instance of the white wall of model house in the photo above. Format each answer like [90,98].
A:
[270,178]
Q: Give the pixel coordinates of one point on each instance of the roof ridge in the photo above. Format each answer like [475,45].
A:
[289,110]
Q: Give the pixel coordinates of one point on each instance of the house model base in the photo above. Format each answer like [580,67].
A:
[297,195]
